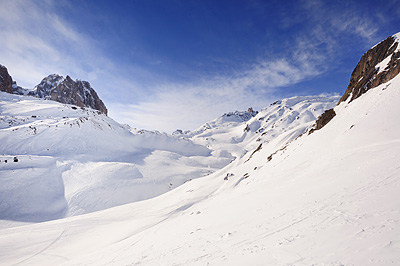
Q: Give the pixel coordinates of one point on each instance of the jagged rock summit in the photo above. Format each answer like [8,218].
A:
[57,88]
[65,90]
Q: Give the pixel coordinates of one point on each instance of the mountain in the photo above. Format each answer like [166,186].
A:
[378,65]
[65,90]
[57,88]
[236,134]
[7,84]
[5,80]
[289,198]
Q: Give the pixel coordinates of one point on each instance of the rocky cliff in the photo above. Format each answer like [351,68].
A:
[8,85]
[65,90]
[5,80]
[378,65]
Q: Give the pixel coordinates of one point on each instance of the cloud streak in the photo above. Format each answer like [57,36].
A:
[37,41]
[186,106]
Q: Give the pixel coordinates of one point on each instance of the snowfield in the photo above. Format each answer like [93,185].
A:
[88,162]
[329,198]
[76,160]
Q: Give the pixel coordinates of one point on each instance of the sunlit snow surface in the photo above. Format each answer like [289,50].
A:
[73,160]
[329,198]
[76,160]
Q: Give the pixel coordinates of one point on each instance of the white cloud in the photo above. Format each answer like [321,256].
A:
[32,40]
[187,106]
[337,18]
[37,41]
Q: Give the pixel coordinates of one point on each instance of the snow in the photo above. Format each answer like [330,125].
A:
[329,198]
[98,163]
[92,162]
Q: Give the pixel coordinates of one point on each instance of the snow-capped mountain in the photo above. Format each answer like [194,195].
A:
[57,88]
[235,134]
[65,90]
[286,198]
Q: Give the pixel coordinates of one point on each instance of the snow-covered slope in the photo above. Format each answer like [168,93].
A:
[236,134]
[76,160]
[329,198]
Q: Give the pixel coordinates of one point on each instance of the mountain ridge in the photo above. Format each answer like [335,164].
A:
[57,88]
[65,90]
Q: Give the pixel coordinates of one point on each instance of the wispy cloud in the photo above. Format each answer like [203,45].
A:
[186,106]
[337,18]
[37,41]
[32,39]
[309,54]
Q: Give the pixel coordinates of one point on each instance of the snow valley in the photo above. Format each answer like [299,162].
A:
[310,180]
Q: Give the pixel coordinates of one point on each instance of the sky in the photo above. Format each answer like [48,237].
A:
[167,65]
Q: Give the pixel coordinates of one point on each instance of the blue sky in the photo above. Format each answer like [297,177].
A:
[177,64]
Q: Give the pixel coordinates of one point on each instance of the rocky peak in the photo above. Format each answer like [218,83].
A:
[66,90]
[378,65]
[44,89]
[8,85]
[5,80]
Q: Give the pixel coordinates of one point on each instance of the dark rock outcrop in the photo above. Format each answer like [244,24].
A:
[323,120]
[66,90]
[8,85]
[367,75]
[6,81]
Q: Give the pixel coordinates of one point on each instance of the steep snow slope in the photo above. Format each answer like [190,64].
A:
[76,160]
[329,198]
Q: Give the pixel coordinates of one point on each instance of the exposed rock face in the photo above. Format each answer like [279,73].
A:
[323,120]
[5,80]
[8,85]
[66,90]
[379,65]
